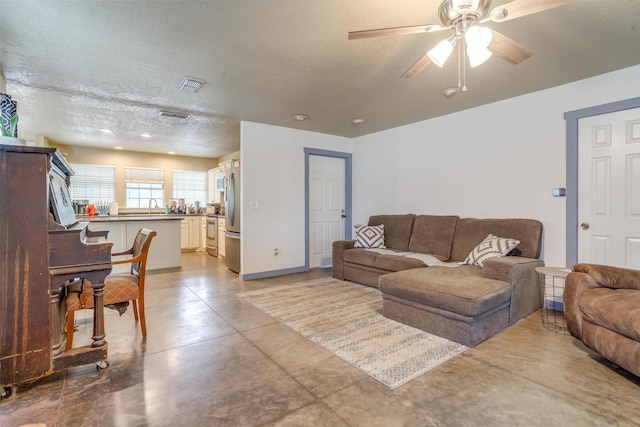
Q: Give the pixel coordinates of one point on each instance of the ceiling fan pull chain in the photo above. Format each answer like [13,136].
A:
[462,59]
[459,68]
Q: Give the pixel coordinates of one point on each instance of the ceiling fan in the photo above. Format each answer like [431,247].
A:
[480,43]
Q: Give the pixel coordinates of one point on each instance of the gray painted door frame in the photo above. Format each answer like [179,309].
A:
[571,118]
[347,193]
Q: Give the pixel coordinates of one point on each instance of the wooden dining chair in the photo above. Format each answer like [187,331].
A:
[118,287]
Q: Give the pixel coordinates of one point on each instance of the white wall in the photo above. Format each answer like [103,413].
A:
[498,160]
[272,161]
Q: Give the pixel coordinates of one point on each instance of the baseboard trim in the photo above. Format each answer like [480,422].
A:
[265,274]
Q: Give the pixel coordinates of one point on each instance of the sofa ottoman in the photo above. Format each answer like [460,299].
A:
[455,303]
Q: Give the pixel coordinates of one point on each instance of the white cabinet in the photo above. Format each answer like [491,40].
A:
[190,230]
[220,237]
[184,234]
[219,177]
[203,233]
[164,251]
[215,178]
[194,232]
[211,186]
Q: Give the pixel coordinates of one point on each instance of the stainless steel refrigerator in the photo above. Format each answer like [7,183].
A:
[232,217]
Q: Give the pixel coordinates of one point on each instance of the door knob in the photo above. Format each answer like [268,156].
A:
[343,214]
[584,225]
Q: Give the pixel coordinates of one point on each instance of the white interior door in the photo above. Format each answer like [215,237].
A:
[609,189]
[326,207]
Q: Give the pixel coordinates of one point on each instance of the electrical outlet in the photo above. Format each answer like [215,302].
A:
[254,204]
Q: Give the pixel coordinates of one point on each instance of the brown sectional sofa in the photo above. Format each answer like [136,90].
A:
[467,303]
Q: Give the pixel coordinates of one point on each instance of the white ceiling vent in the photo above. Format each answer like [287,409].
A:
[175,114]
[189,84]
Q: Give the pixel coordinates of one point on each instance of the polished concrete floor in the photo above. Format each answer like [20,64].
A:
[211,359]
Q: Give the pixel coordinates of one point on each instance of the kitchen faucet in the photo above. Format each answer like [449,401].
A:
[154,201]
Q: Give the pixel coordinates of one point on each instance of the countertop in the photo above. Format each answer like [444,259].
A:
[133,217]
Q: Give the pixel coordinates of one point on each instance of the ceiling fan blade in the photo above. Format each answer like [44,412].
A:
[395,31]
[519,8]
[418,67]
[507,49]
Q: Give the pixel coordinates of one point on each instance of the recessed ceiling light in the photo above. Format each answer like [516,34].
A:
[301,117]
[118,148]
[145,135]
[358,121]
[106,130]
[172,152]
[189,84]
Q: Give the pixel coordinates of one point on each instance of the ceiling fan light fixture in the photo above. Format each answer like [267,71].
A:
[477,40]
[478,36]
[478,55]
[440,52]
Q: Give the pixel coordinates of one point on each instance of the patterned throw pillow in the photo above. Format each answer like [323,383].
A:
[491,247]
[370,236]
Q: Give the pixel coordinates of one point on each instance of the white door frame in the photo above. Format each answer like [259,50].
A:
[347,193]
[571,118]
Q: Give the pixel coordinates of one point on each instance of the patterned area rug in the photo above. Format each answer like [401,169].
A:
[346,319]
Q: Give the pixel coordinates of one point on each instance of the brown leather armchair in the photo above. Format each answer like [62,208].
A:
[602,309]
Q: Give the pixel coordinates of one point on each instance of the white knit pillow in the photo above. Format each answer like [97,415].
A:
[369,236]
[491,247]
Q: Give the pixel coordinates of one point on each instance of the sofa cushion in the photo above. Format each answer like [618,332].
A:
[471,231]
[617,310]
[369,236]
[381,261]
[397,229]
[398,263]
[460,290]
[610,276]
[491,247]
[433,234]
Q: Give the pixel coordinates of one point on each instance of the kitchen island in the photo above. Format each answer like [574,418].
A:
[165,247]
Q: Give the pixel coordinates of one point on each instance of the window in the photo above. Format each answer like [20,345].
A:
[190,186]
[143,185]
[93,183]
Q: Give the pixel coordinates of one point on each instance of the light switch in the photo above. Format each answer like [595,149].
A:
[558,192]
[254,204]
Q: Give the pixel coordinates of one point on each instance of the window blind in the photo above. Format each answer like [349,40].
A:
[146,175]
[93,182]
[190,186]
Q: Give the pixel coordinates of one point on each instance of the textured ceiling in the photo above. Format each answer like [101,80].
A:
[75,67]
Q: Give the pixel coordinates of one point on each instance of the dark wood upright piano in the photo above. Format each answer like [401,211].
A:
[43,248]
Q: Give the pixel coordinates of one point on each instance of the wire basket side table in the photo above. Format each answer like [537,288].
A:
[551,285]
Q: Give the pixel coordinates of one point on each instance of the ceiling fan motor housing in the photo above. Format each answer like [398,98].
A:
[451,11]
